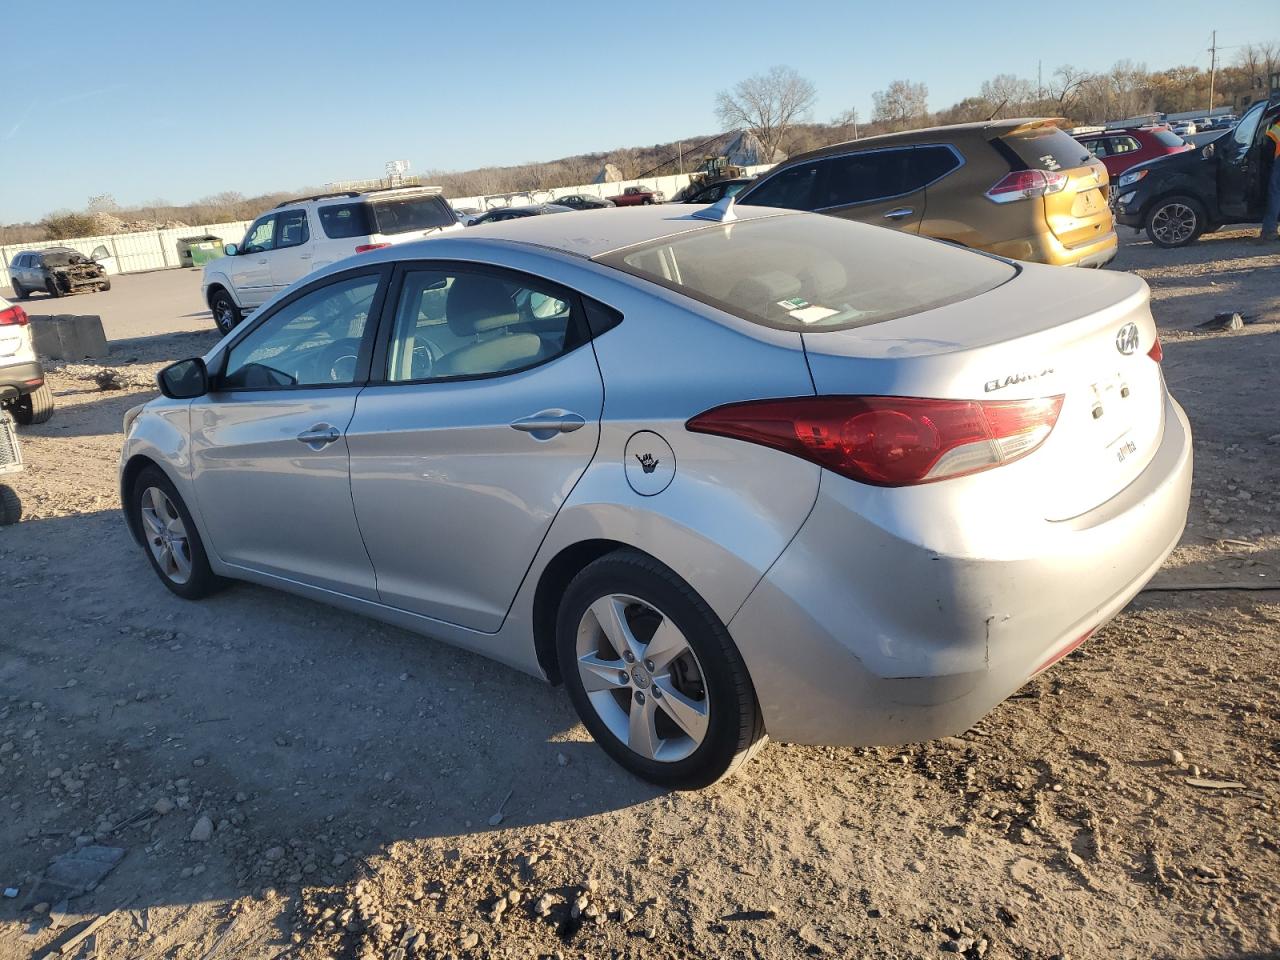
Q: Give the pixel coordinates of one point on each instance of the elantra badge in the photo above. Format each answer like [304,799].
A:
[1127,338]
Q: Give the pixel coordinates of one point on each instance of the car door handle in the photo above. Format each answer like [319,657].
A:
[304,256]
[898,213]
[319,436]
[263,260]
[547,423]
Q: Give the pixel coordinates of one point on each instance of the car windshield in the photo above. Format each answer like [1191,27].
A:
[1168,138]
[809,273]
[60,258]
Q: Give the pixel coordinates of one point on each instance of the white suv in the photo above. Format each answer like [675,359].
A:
[22,388]
[302,235]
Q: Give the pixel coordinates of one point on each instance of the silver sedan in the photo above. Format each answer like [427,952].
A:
[723,473]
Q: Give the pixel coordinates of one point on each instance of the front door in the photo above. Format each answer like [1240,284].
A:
[874,186]
[251,266]
[1239,159]
[268,444]
[291,258]
[460,460]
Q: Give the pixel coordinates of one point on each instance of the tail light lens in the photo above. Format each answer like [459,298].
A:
[890,441]
[366,247]
[13,317]
[1156,352]
[1024,184]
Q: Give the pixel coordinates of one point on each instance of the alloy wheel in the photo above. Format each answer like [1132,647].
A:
[1174,223]
[166,535]
[642,678]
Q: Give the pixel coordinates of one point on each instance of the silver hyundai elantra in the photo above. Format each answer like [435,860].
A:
[722,473]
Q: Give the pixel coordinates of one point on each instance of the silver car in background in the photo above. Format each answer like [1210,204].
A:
[722,473]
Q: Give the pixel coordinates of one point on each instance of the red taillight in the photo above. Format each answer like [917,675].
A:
[890,441]
[1156,352]
[366,247]
[13,316]
[1023,184]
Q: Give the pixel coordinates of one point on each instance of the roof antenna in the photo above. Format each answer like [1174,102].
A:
[997,109]
[721,211]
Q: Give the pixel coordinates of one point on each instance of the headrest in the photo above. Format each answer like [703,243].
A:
[476,304]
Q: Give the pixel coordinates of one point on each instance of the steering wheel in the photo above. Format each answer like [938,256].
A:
[337,362]
[425,355]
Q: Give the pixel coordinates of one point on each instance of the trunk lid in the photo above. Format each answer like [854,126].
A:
[1049,332]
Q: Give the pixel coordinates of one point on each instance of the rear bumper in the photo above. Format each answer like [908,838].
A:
[857,636]
[1047,248]
[19,379]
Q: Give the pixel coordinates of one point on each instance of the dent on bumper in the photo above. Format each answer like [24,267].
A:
[857,638]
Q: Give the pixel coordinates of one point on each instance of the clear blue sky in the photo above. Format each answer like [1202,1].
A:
[180,100]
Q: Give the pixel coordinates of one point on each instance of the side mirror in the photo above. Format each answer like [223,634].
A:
[184,380]
[1208,151]
[230,249]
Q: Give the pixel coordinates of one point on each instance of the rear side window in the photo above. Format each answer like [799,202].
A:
[342,220]
[1168,138]
[412,214]
[861,177]
[812,273]
[1047,148]
[929,163]
[793,189]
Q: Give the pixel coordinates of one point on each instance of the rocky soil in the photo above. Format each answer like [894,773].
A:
[288,781]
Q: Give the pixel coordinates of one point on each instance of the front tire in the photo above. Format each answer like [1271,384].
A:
[1175,221]
[34,407]
[105,286]
[170,536]
[19,292]
[654,675]
[10,506]
[51,288]
[226,315]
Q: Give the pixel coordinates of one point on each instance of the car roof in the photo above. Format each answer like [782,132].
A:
[585,233]
[981,129]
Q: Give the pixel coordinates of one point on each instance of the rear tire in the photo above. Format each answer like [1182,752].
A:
[1175,221]
[226,315]
[170,538]
[10,506]
[699,721]
[34,407]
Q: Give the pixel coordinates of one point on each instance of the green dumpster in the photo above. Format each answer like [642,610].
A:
[197,251]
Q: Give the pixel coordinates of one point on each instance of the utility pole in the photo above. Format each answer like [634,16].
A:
[680,148]
[1213,67]
[1039,81]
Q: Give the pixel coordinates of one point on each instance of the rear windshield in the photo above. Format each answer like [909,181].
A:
[807,273]
[405,215]
[1048,148]
[1169,138]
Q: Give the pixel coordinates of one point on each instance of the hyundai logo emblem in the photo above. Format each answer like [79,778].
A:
[1127,338]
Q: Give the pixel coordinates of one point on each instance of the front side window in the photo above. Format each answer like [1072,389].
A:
[291,228]
[454,323]
[862,177]
[1248,125]
[311,341]
[1125,145]
[261,236]
[792,189]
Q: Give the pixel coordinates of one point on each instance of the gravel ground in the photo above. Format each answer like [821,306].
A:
[291,781]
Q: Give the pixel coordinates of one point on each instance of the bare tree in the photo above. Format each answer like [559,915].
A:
[1259,61]
[102,203]
[901,105]
[1007,93]
[768,104]
[1065,86]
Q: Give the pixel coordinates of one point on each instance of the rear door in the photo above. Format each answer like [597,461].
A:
[291,259]
[488,413]
[873,186]
[1078,214]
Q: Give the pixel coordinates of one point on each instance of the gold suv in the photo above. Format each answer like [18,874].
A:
[1023,189]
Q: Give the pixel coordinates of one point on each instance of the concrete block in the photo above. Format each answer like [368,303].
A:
[65,336]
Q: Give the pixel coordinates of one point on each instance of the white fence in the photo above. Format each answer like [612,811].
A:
[132,252]
[158,249]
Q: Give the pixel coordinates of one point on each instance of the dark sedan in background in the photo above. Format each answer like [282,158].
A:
[515,213]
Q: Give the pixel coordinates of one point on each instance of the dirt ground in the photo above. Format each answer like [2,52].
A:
[291,781]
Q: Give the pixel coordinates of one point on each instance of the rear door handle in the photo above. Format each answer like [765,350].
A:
[547,423]
[320,436]
[898,213]
[304,256]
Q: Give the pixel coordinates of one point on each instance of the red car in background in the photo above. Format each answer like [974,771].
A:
[1121,148]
